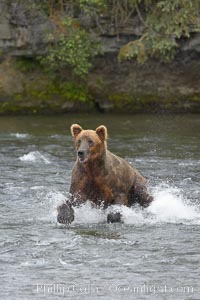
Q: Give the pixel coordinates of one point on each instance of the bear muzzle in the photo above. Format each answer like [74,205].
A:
[82,156]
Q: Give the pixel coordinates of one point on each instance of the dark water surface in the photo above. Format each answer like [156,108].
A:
[154,254]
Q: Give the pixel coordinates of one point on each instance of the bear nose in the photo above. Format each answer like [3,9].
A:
[81,154]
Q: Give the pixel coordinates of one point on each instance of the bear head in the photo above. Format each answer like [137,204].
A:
[90,145]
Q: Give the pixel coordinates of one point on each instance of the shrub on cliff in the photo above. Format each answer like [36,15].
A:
[158,27]
[71,47]
[164,24]
[161,24]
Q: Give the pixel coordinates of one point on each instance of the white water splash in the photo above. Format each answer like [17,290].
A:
[169,206]
[20,135]
[34,156]
[84,214]
[52,200]
[87,214]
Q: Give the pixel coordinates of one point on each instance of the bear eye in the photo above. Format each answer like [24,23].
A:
[90,143]
[79,142]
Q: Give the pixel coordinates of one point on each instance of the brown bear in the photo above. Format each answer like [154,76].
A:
[101,177]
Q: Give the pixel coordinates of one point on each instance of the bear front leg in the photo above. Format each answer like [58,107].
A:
[139,194]
[65,213]
[115,217]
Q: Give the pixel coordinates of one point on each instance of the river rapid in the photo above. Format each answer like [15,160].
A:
[153,254]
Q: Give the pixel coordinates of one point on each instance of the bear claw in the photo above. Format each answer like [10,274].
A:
[65,214]
[114,217]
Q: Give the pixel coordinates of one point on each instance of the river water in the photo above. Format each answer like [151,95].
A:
[153,254]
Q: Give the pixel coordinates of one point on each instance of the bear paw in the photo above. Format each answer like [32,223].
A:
[65,214]
[114,217]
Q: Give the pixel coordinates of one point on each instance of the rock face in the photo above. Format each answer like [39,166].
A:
[155,86]
[23,29]
[111,86]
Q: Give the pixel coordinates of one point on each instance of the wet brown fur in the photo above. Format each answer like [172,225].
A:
[104,178]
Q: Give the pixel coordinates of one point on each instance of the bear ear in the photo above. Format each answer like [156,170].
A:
[102,132]
[75,129]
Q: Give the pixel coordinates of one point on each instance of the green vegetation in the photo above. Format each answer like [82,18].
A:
[26,64]
[120,101]
[70,47]
[162,26]
[48,96]
[62,79]
[47,90]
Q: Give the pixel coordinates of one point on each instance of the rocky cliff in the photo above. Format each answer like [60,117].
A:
[111,86]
